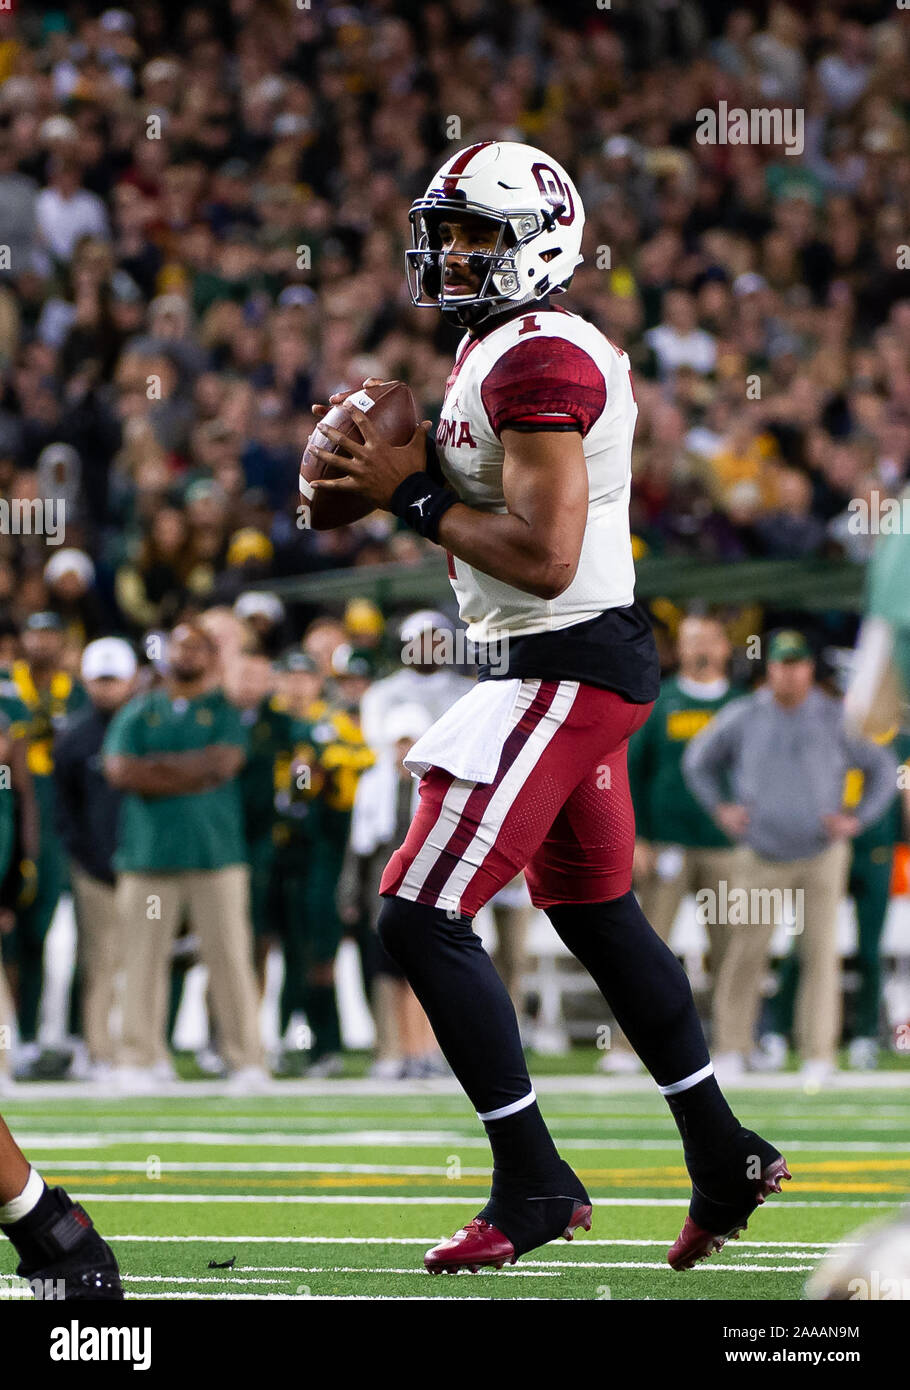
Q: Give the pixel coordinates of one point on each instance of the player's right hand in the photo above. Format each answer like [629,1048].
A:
[318,411]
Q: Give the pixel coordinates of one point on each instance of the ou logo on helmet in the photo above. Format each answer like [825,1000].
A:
[550,184]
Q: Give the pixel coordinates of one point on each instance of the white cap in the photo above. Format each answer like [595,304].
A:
[58,128]
[108,656]
[749,283]
[69,561]
[416,623]
[118,22]
[258,603]
[406,721]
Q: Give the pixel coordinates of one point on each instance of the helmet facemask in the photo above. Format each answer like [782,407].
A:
[495,270]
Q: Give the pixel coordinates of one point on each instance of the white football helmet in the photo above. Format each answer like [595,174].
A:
[540,219]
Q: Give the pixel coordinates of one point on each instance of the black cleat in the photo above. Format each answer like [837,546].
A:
[62,1255]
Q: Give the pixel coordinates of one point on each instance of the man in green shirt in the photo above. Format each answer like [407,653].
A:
[678,848]
[175,753]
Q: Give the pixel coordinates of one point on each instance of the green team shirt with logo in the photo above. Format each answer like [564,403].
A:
[196,831]
[331,747]
[665,810]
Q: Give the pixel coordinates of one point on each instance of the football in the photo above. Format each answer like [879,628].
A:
[392,408]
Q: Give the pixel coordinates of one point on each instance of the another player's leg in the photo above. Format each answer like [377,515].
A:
[59,1249]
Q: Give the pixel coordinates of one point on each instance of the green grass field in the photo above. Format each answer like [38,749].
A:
[328,1192]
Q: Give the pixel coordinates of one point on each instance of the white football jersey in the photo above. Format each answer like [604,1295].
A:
[545,369]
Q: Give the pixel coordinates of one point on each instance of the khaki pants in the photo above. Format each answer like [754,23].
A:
[677,872]
[510,956]
[151,906]
[99,959]
[823,880]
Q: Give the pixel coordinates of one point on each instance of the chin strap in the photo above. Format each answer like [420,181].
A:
[474,314]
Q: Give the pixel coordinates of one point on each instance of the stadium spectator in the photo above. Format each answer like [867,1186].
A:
[87,821]
[330,755]
[250,684]
[70,579]
[176,753]
[427,676]
[383,807]
[37,694]
[771,769]
[869,885]
[19,843]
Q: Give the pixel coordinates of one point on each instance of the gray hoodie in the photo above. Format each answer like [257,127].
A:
[787,767]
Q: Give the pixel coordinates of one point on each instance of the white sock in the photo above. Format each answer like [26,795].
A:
[26,1201]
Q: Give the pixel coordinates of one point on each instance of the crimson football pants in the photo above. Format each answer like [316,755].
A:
[558,807]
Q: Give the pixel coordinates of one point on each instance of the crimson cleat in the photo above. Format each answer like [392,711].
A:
[482,1246]
[694,1244]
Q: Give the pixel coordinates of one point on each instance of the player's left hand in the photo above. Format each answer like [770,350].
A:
[375,467]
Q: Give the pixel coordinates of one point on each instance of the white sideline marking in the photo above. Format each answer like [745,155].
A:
[588,1084]
[369,1139]
[534,1269]
[331,1297]
[319,1269]
[757,1248]
[704,1268]
[188,1279]
[92,1165]
[317,1199]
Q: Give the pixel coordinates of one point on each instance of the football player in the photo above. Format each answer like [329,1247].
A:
[60,1252]
[528,492]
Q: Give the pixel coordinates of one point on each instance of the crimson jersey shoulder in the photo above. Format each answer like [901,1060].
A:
[544,382]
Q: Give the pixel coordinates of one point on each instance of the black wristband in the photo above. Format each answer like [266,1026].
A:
[421,502]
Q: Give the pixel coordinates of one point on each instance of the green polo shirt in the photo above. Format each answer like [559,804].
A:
[665,809]
[199,830]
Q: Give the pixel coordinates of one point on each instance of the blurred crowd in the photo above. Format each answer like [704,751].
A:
[202,218]
[203,212]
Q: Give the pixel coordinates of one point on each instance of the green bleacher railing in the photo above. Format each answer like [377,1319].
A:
[809,584]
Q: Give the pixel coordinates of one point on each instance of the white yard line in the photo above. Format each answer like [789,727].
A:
[341,1088]
[371,1139]
[774,1246]
[326,1269]
[437,1170]
[317,1199]
[330,1297]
